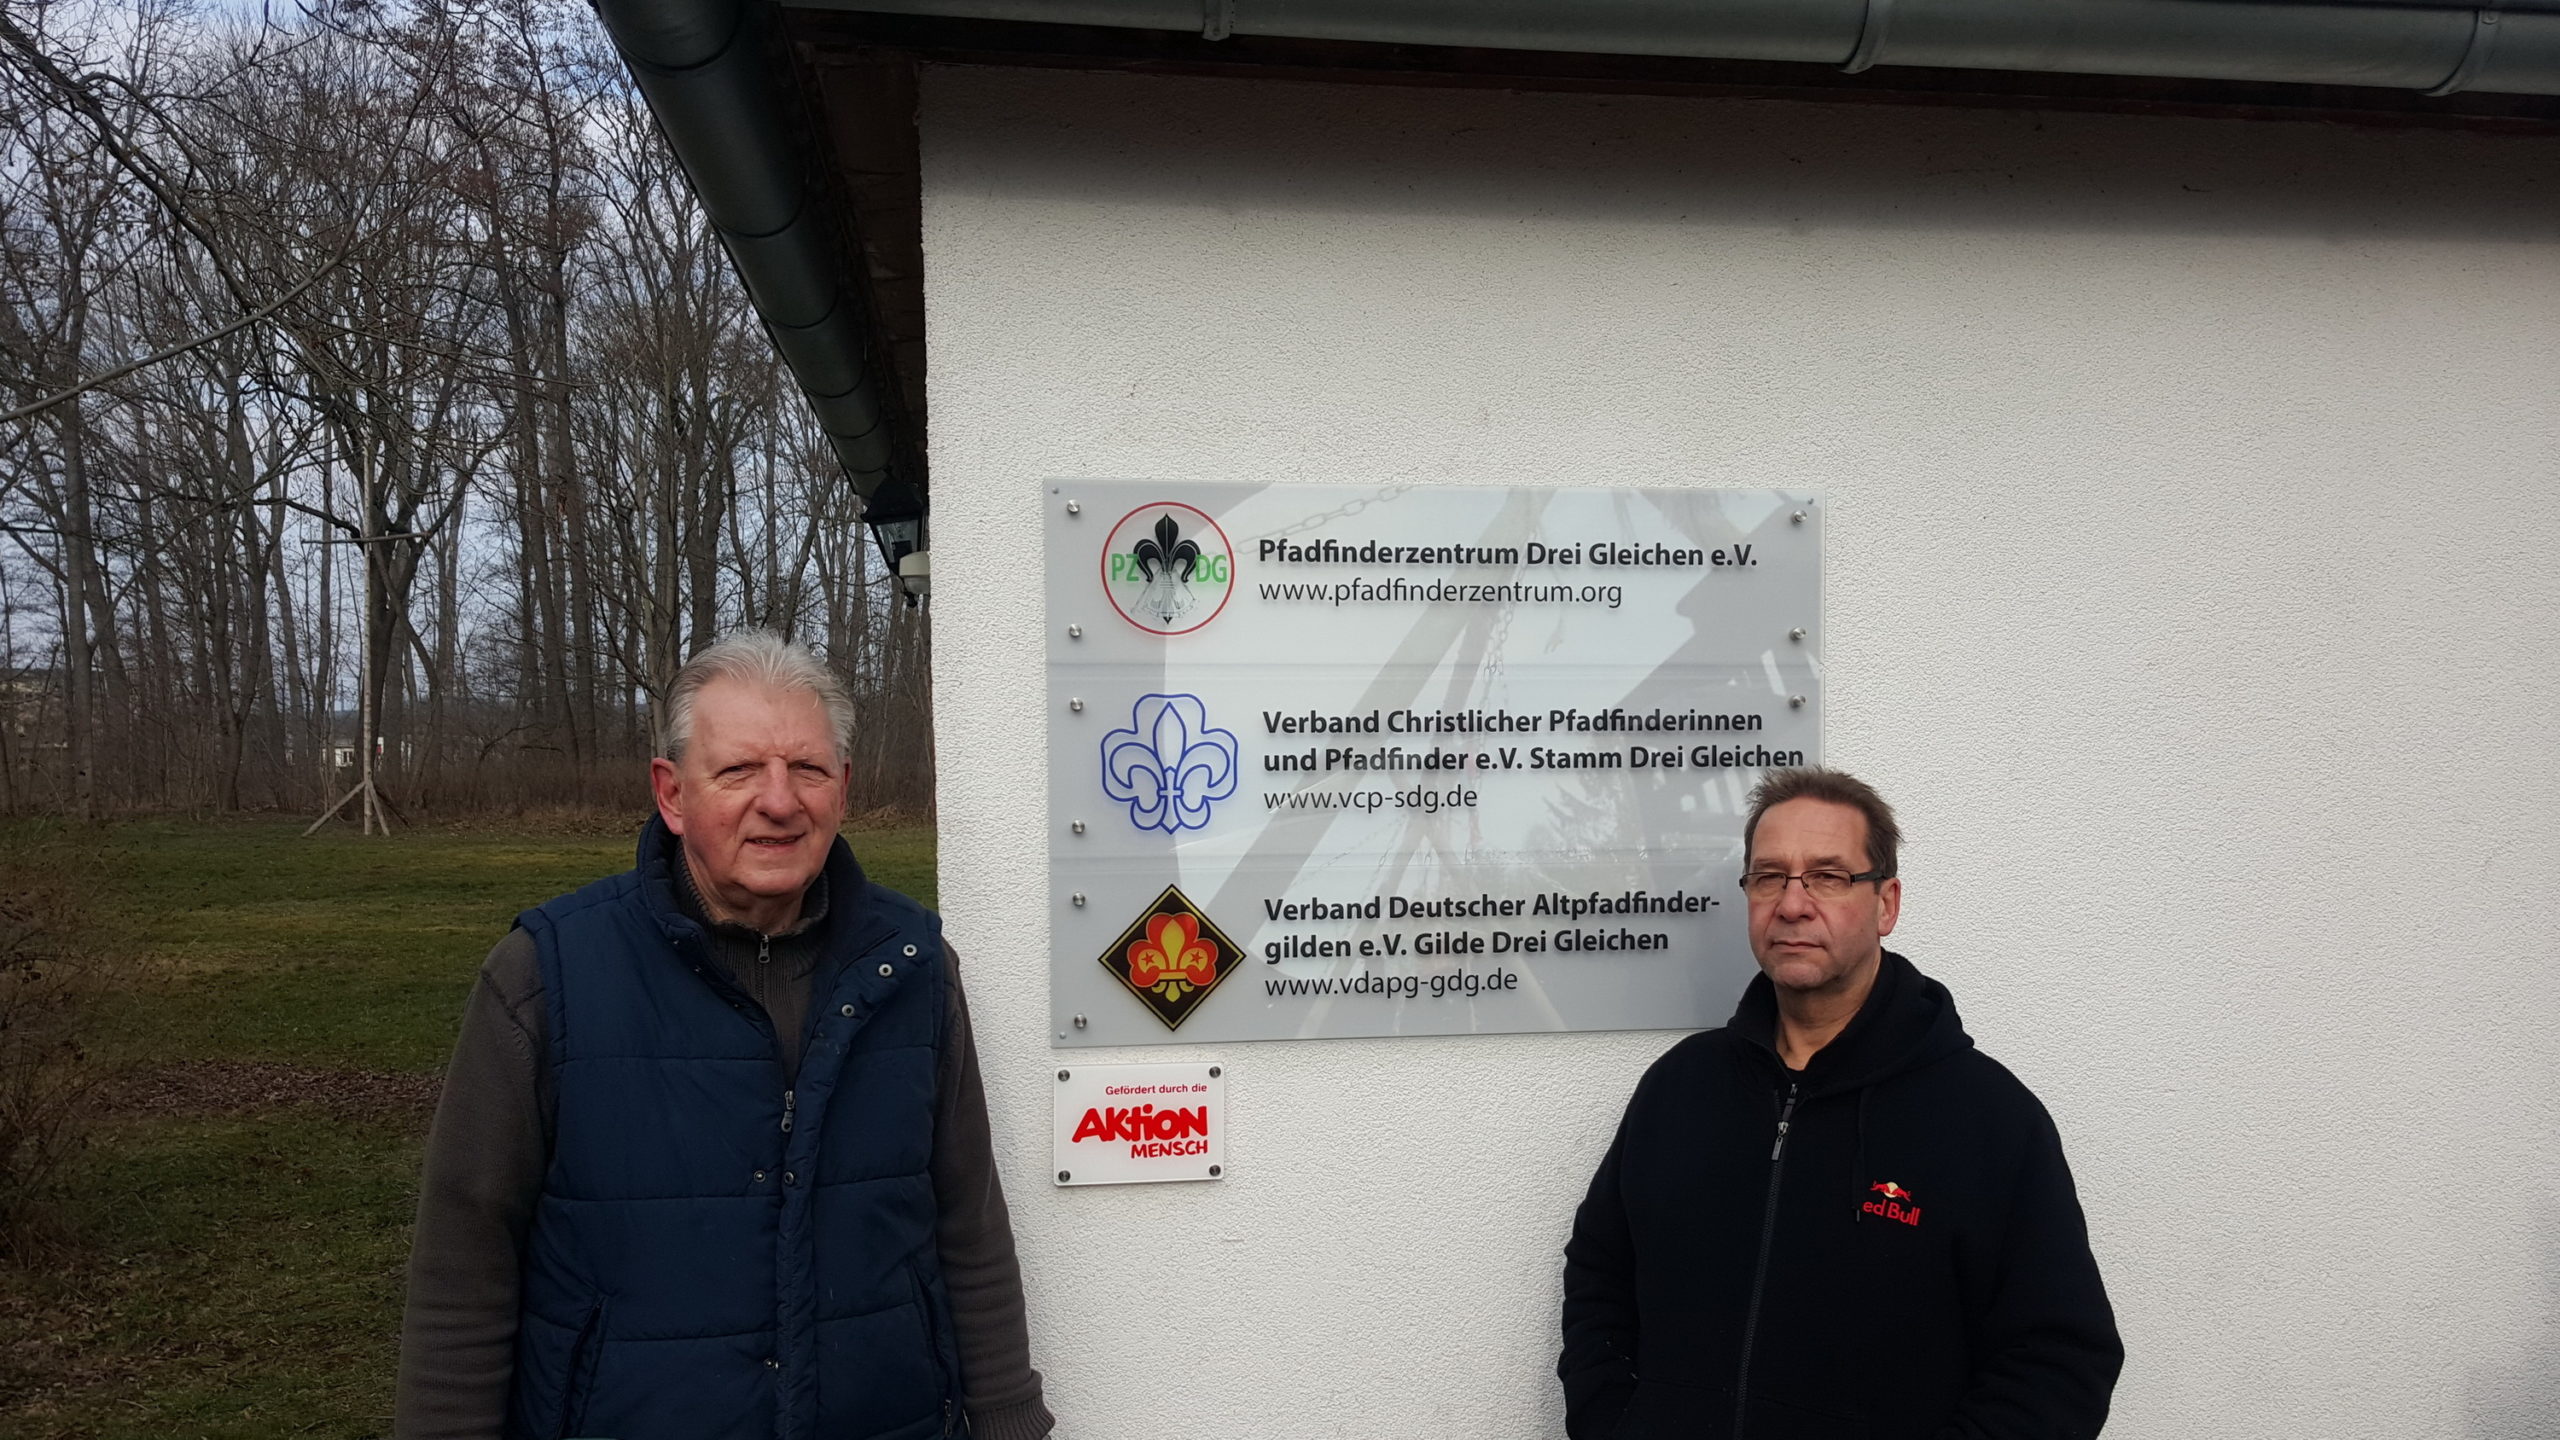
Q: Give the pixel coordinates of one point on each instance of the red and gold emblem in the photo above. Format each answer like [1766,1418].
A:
[1171,957]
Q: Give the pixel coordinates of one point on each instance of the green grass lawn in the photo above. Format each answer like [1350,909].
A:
[233,1258]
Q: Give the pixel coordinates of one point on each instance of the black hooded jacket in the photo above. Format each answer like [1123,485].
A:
[1885,1244]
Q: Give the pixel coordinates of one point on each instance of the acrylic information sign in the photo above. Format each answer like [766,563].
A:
[1423,760]
[1132,1124]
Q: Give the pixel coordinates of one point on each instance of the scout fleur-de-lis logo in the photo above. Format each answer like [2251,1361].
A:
[1171,957]
[1166,560]
[1169,764]
[1168,568]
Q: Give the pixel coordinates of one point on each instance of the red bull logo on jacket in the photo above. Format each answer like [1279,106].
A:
[1896,1204]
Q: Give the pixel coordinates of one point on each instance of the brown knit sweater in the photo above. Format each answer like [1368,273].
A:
[490,1147]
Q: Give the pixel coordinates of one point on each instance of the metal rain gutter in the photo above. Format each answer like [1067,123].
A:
[704,68]
[2429,46]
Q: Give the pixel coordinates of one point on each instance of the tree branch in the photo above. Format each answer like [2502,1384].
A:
[172,352]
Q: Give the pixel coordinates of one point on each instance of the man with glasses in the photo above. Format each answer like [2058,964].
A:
[1833,1217]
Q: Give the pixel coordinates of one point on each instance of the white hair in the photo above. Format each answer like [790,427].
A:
[757,657]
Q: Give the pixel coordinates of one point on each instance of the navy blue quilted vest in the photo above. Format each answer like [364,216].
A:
[713,1255]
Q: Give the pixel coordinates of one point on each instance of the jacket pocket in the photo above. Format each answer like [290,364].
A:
[929,1316]
[1659,1411]
[581,1386]
[1780,1420]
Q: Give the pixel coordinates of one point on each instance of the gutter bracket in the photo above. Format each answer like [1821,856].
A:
[1217,19]
[2475,54]
[1871,30]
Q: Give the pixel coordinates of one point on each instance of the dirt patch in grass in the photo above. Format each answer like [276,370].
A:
[251,1087]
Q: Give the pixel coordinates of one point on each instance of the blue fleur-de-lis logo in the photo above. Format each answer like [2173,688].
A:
[1169,764]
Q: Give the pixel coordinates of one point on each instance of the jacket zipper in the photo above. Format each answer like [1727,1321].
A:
[764,967]
[790,1094]
[1760,1270]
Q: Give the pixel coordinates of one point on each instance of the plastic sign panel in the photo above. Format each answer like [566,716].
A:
[1419,760]
[1124,1124]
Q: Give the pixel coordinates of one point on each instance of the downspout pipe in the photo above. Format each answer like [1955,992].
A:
[2506,46]
[703,67]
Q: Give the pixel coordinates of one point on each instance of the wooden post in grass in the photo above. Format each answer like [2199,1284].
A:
[374,810]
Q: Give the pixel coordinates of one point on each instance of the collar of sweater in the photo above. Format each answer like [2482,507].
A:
[1908,1021]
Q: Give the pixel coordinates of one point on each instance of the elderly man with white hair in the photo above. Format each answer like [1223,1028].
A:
[712,1157]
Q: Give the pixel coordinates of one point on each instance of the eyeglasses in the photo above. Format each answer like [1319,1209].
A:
[1820,884]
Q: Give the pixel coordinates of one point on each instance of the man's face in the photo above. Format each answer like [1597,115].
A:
[1804,943]
[757,797]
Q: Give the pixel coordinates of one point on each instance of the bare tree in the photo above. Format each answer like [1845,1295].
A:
[377,393]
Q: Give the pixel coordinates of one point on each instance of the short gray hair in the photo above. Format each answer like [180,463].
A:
[757,657]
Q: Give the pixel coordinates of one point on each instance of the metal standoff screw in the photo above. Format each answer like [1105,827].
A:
[1215,1071]
[1077,898]
[1796,701]
[1062,1074]
[1074,509]
[1796,519]
[1076,702]
[1062,1177]
[1079,1022]
[1216,1170]
[1075,632]
[1796,634]
[1077,827]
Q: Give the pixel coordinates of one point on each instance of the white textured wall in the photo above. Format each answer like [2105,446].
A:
[2194,563]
